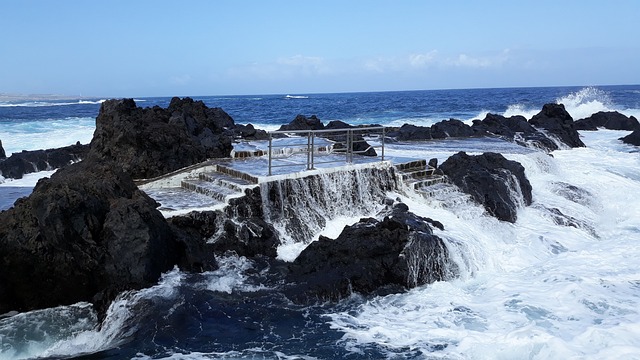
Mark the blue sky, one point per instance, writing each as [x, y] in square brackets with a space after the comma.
[166, 48]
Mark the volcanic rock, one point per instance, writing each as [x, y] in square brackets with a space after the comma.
[500, 185]
[249, 132]
[611, 120]
[515, 129]
[153, 141]
[240, 228]
[3, 155]
[409, 132]
[452, 128]
[25, 162]
[85, 234]
[371, 257]
[337, 125]
[558, 122]
[301, 122]
[633, 138]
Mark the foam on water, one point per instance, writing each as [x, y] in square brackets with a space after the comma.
[231, 276]
[536, 289]
[45, 134]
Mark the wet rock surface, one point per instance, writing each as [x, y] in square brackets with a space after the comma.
[632, 139]
[371, 257]
[611, 120]
[500, 185]
[26, 162]
[558, 122]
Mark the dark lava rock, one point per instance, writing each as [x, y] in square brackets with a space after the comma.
[240, 228]
[371, 257]
[153, 141]
[515, 129]
[452, 128]
[249, 132]
[3, 155]
[611, 120]
[301, 122]
[25, 162]
[409, 132]
[558, 122]
[492, 180]
[633, 138]
[85, 234]
[337, 125]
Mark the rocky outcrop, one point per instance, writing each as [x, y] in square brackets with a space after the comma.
[500, 185]
[301, 122]
[153, 141]
[632, 139]
[515, 129]
[559, 123]
[25, 162]
[452, 128]
[84, 235]
[3, 155]
[611, 120]
[409, 132]
[371, 257]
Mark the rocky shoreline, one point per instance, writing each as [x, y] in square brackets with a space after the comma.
[88, 233]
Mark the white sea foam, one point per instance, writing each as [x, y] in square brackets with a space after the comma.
[28, 180]
[231, 276]
[45, 134]
[49, 103]
[537, 290]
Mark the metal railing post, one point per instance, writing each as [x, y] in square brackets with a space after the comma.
[383, 136]
[309, 150]
[270, 140]
[349, 146]
[313, 146]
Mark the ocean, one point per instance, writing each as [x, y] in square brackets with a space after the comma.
[534, 289]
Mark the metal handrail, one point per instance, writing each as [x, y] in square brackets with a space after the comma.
[311, 147]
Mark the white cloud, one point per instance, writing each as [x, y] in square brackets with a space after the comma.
[284, 67]
[421, 60]
[469, 61]
[434, 59]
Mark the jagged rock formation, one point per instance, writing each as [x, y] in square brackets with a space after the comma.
[301, 122]
[611, 120]
[153, 141]
[500, 185]
[515, 129]
[3, 155]
[553, 118]
[453, 128]
[373, 256]
[25, 162]
[558, 122]
[84, 235]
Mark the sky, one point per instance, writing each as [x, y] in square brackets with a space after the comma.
[242, 47]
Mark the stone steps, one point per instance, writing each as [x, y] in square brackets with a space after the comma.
[418, 174]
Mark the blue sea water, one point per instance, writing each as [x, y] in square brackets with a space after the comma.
[530, 290]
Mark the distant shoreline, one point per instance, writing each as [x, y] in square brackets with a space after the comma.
[38, 97]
